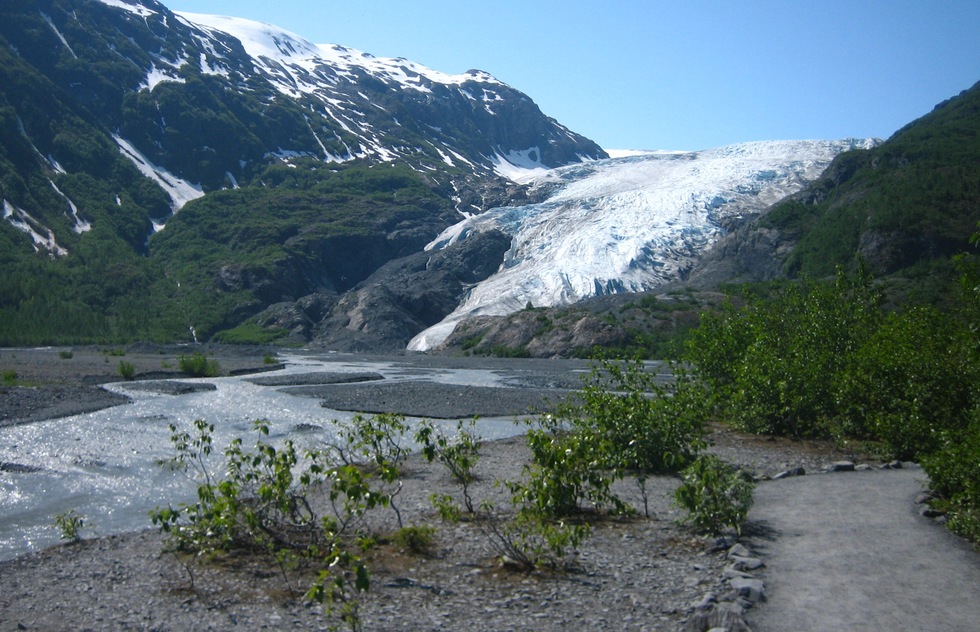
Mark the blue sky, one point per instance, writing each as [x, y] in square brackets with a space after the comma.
[665, 74]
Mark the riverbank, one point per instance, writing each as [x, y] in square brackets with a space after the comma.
[640, 573]
[632, 574]
[53, 382]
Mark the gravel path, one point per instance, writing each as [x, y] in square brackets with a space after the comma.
[849, 551]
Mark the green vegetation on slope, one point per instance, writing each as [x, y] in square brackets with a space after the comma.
[220, 260]
[913, 198]
[825, 360]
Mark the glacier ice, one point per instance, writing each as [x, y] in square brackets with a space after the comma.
[625, 224]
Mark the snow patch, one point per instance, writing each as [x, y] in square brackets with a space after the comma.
[47, 18]
[81, 225]
[180, 191]
[520, 166]
[157, 76]
[22, 221]
[134, 8]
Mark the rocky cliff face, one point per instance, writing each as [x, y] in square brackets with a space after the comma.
[407, 295]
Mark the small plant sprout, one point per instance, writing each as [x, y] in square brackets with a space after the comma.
[70, 523]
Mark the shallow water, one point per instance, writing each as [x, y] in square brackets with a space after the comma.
[106, 465]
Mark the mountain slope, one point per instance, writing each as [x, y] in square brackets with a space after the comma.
[119, 117]
[903, 206]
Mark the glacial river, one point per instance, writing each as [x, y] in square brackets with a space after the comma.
[107, 467]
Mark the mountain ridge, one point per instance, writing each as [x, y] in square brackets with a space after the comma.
[244, 181]
[118, 117]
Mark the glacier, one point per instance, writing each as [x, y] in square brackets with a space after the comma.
[625, 224]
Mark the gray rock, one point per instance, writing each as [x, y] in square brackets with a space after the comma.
[796, 471]
[739, 550]
[406, 295]
[740, 563]
[841, 466]
[706, 602]
[732, 573]
[726, 616]
[924, 497]
[929, 512]
[749, 587]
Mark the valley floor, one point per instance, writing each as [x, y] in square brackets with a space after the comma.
[631, 574]
[54, 382]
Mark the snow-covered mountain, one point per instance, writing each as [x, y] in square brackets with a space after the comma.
[626, 224]
[308, 179]
[298, 68]
[200, 102]
[119, 118]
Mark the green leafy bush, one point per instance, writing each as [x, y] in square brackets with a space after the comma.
[910, 381]
[771, 364]
[261, 503]
[198, 365]
[415, 538]
[530, 540]
[126, 370]
[954, 474]
[70, 523]
[9, 377]
[568, 473]
[715, 494]
[459, 454]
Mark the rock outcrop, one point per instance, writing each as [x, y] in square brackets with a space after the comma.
[407, 295]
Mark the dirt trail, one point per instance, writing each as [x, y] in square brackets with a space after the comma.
[849, 551]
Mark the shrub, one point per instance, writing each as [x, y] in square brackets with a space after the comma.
[771, 364]
[908, 383]
[954, 475]
[70, 523]
[415, 538]
[530, 540]
[126, 370]
[627, 422]
[198, 365]
[66, 354]
[9, 377]
[261, 504]
[715, 494]
[374, 444]
[458, 454]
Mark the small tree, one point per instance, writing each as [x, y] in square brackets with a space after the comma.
[715, 494]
